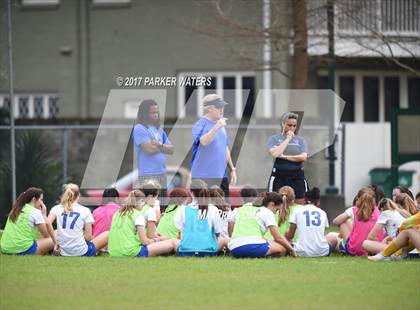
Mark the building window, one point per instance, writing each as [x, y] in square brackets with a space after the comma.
[33, 105]
[392, 95]
[23, 107]
[346, 91]
[232, 86]
[248, 82]
[371, 99]
[53, 108]
[371, 96]
[38, 107]
[113, 3]
[413, 86]
[40, 3]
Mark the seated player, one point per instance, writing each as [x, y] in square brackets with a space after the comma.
[74, 226]
[166, 226]
[26, 231]
[199, 224]
[128, 235]
[249, 223]
[310, 222]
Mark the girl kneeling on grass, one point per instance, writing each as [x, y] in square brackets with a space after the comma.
[74, 225]
[128, 231]
[25, 224]
[310, 222]
[364, 216]
[390, 219]
[247, 226]
[200, 224]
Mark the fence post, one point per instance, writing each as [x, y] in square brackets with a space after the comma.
[65, 154]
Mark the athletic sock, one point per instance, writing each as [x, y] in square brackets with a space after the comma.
[391, 248]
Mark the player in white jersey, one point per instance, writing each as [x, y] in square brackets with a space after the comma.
[74, 226]
[390, 219]
[310, 222]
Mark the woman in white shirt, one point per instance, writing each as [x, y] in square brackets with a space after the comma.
[74, 226]
[390, 219]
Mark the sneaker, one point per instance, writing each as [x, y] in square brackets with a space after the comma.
[379, 257]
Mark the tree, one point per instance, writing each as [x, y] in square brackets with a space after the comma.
[35, 166]
[301, 25]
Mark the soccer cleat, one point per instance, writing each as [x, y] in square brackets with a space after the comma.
[379, 257]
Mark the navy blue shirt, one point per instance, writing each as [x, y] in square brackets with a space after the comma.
[297, 145]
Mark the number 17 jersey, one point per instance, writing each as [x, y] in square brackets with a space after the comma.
[70, 228]
[311, 222]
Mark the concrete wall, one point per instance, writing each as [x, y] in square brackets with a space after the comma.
[77, 49]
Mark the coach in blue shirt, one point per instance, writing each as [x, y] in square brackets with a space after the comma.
[210, 150]
[151, 144]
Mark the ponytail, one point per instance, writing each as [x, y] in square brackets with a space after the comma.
[288, 198]
[22, 200]
[216, 196]
[134, 198]
[70, 194]
[202, 196]
[200, 193]
[366, 205]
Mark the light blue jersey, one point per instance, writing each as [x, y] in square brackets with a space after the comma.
[197, 235]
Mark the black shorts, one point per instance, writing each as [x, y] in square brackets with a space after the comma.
[294, 178]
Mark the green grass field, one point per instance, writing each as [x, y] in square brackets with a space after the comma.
[208, 283]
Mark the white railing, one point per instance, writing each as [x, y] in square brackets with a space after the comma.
[33, 105]
[354, 17]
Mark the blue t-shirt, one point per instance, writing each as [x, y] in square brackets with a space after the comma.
[149, 164]
[209, 162]
[297, 145]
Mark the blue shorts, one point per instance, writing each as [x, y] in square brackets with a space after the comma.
[144, 251]
[330, 249]
[31, 250]
[251, 250]
[342, 247]
[196, 254]
[91, 251]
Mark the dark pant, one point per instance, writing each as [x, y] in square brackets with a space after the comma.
[294, 178]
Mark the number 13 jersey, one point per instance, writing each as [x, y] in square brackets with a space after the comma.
[310, 225]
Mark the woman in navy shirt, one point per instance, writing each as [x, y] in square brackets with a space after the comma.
[289, 152]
